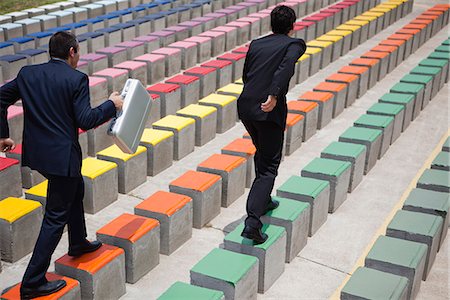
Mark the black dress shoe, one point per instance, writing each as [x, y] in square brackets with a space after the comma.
[43, 290]
[254, 234]
[272, 205]
[86, 247]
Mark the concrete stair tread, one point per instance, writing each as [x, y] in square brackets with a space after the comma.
[304, 185]
[359, 133]
[403, 87]
[398, 251]
[225, 265]
[327, 166]
[435, 177]
[288, 209]
[397, 98]
[417, 223]
[344, 149]
[274, 233]
[181, 290]
[375, 120]
[442, 159]
[415, 78]
[372, 284]
[428, 199]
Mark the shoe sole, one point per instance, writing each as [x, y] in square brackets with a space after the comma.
[71, 254]
[251, 237]
[42, 294]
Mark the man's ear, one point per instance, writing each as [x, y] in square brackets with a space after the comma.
[72, 52]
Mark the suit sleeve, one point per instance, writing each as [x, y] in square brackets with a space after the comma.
[9, 94]
[246, 65]
[87, 117]
[287, 67]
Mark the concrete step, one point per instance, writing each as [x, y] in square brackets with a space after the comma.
[244, 148]
[10, 178]
[174, 213]
[430, 202]
[101, 184]
[418, 227]
[70, 292]
[139, 237]
[399, 257]
[294, 216]
[232, 169]
[353, 153]
[373, 284]
[441, 162]
[205, 189]
[313, 191]
[180, 290]
[101, 273]
[271, 254]
[436, 180]
[131, 168]
[384, 123]
[371, 138]
[20, 222]
[336, 172]
[235, 274]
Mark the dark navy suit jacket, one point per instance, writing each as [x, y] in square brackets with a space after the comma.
[269, 65]
[56, 102]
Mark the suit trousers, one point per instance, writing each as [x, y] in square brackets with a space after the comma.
[268, 138]
[64, 206]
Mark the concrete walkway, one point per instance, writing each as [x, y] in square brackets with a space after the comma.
[333, 251]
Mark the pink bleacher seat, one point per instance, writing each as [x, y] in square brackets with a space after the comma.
[150, 42]
[116, 78]
[218, 41]
[181, 32]
[255, 26]
[231, 34]
[15, 121]
[156, 66]
[133, 48]
[115, 55]
[136, 70]
[98, 88]
[172, 58]
[96, 62]
[188, 53]
[165, 37]
[194, 27]
[83, 66]
[203, 47]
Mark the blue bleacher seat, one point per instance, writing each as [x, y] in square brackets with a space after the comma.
[31, 52]
[89, 35]
[12, 57]
[40, 35]
[179, 8]
[56, 29]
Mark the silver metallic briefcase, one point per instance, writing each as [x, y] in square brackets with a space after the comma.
[127, 127]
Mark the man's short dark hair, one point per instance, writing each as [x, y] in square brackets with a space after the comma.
[282, 19]
[60, 44]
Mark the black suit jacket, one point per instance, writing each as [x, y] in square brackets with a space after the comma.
[56, 102]
[268, 68]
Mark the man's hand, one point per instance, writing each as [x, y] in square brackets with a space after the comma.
[117, 100]
[7, 145]
[269, 105]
